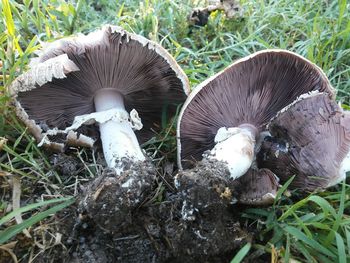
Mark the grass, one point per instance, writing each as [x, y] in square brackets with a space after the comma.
[312, 228]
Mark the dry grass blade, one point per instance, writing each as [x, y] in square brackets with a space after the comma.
[2, 142]
[8, 248]
[16, 201]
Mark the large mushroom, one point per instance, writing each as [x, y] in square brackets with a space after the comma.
[225, 115]
[100, 78]
[311, 140]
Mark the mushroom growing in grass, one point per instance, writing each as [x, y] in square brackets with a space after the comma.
[311, 140]
[109, 77]
[224, 117]
[256, 187]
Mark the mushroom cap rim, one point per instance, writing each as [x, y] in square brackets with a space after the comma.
[203, 84]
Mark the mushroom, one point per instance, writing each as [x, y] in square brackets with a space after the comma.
[100, 78]
[225, 115]
[311, 140]
[256, 187]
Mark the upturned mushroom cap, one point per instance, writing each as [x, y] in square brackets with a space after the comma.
[250, 91]
[311, 140]
[256, 187]
[142, 71]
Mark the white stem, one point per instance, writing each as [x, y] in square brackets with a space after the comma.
[118, 138]
[235, 146]
[344, 168]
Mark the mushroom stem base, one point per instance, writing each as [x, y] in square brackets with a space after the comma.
[234, 146]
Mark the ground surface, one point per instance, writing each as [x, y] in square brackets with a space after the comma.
[308, 227]
[115, 221]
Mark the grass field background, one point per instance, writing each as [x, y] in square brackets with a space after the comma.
[304, 227]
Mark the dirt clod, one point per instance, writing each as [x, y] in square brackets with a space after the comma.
[110, 199]
[116, 221]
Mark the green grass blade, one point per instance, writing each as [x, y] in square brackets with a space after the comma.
[311, 242]
[339, 215]
[3, 38]
[347, 235]
[10, 25]
[299, 246]
[14, 230]
[324, 205]
[342, 9]
[27, 208]
[341, 248]
[287, 252]
[292, 209]
[241, 253]
[302, 225]
[283, 189]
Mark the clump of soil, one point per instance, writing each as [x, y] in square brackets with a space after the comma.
[205, 189]
[110, 199]
[115, 223]
[209, 184]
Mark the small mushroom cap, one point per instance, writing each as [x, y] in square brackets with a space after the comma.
[142, 71]
[256, 187]
[250, 91]
[310, 139]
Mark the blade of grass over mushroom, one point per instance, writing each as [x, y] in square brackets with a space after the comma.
[283, 189]
[32, 143]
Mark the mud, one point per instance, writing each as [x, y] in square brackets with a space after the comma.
[117, 220]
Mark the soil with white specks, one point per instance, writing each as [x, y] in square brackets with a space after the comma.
[118, 219]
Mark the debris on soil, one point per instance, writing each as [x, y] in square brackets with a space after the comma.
[209, 184]
[110, 199]
[115, 222]
[65, 165]
[206, 187]
[117, 218]
[200, 16]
